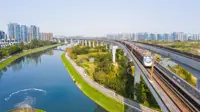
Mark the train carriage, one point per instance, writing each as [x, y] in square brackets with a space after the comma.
[144, 56]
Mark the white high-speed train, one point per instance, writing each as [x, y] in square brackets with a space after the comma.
[144, 56]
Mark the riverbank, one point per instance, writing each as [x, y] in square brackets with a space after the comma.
[105, 97]
[101, 99]
[25, 52]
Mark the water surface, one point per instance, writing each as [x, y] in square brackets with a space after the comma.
[40, 80]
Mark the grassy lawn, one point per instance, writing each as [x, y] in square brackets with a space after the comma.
[184, 74]
[88, 66]
[106, 102]
[25, 52]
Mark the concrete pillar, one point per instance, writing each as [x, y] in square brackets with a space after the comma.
[71, 41]
[101, 43]
[136, 77]
[89, 43]
[78, 41]
[114, 52]
[97, 43]
[106, 46]
[82, 42]
[85, 42]
[110, 47]
[124, 53]
[93, 44]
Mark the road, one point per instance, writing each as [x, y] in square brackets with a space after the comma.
[135, 107]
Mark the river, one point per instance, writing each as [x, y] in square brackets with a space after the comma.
[41, 81]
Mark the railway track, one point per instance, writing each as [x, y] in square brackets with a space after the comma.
[183, 53]
[179, 100]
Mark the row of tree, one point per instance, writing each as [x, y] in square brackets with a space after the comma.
[78, 50]
[143, 95]
[17, 48]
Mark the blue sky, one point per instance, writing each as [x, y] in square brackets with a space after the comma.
[99, 17]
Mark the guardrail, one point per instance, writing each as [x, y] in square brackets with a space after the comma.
[185, 86]
[186, 54]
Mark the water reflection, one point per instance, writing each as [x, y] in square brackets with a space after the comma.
[34, 58]
[1, 73]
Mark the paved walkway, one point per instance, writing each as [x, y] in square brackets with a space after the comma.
[4, 59]
[135, 107]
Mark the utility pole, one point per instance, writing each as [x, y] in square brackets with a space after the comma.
[152, 67]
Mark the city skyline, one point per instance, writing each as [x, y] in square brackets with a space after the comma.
[24, 33]
[19, 33]
[98, 18]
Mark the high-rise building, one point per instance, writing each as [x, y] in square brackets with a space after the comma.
[174, 36]
[24, 33]
[140, 36]
[14, 32]
[199, 36]
[46, 36]
[2, 35]
[180, 36]
[41, 35]
[33, 32]
[29, 34]
[134, 37]
[195, 37]
[50, 36]
[38, 33]
[166, 36]
[18, 33]
[160, 37]
[11, 31]
[146, 36]
[152, 36]
[185, 37]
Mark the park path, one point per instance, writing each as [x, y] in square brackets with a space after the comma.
[133, 106]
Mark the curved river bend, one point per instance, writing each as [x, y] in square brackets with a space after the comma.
[40, 80]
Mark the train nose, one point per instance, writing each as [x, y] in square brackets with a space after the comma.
[148, 59]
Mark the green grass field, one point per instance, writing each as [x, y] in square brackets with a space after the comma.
[106, 102]
[26, 52]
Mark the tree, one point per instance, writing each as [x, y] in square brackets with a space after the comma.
[21, 45]
[104, 62]
[141, 91]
